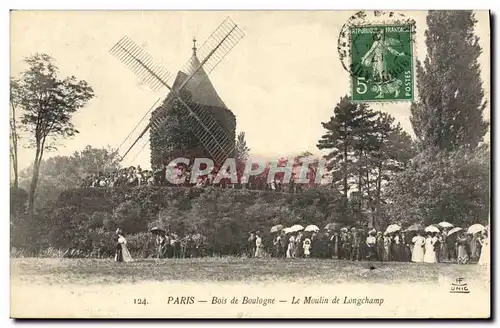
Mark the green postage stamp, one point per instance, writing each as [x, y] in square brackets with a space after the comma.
[382, 63]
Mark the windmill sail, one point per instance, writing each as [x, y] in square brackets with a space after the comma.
[210, 134]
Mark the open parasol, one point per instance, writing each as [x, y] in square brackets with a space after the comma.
[432, 228]
[312, 227]
[454, 230]
[392, 228]
[296, 227]
[287, 230]
[277, 228]
[333, 226]
[415, 227]
[445, 224]
[157, 230]
[475, 228]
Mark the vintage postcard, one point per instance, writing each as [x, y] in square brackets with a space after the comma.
[250, 164]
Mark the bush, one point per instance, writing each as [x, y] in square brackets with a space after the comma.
[83, 221]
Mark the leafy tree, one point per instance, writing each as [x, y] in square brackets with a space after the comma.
[341, 139]
[48, 103]
[60, 173]
[391, 152]
[453, 187]
[448, 114]
[242, 151]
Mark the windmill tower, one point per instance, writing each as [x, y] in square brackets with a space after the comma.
[173, 138]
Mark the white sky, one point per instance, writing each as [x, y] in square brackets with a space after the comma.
[281, 81]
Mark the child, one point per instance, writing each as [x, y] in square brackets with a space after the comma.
[307, 247]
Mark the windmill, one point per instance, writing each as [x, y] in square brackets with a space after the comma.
[202, 124]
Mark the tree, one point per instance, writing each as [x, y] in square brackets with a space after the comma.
[60, 173]
[447, 186]
[449, 111]
[391, 152]
[14, 137]
[340, 140]
[242, 151]
[48, 104]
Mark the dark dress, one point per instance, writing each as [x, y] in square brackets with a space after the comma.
[119, 253]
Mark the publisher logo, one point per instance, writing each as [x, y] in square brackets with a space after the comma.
[459, 287]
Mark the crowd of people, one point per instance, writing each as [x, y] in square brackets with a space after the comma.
[359, 245]
[352, 244]
[136, 176]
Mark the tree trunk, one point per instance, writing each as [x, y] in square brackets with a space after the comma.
[34, 182]
[376, 219]
[36, 171]
[14, 148]
[346, 187]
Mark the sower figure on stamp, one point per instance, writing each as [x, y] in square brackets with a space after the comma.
[375, 57]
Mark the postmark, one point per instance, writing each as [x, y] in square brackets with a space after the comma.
[377, 49]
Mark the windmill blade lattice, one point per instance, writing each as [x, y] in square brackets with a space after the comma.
[141, 63]
[214, 49]
[202, 124]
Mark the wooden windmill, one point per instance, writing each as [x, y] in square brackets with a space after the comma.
[202, 124]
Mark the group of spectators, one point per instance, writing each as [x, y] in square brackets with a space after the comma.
[136, 176]
[359, 244]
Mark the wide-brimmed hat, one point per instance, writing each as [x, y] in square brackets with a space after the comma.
[119, 231]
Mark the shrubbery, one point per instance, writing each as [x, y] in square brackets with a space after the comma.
[86, 219]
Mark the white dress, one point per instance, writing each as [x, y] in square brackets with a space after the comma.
[418, 249]
[125, 253]
[485, 252]
[307, 247]
[430, 253]
[259, 250]
[291, 245]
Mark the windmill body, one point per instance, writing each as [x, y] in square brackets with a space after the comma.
[172, 138]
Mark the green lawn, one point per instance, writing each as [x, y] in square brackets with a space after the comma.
[96, 271]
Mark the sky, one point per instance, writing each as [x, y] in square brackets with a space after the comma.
[281, 80]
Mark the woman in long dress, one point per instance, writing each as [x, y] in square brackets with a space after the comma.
[371, 244]
[484, 258]
[418, 248]
[430, 252]
[461, 246]
[122, 253]
[259, 247]
[291, 247]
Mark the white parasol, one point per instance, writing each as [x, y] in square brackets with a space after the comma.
[296, 227]
[475, 228]
[432, 228]
[445, 224]
[454, 230]
[277, 228]
[312, 227]
[392, 228]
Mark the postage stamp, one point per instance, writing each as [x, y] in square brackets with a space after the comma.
[382, 63]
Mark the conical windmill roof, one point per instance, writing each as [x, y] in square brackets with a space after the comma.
[200, 87]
